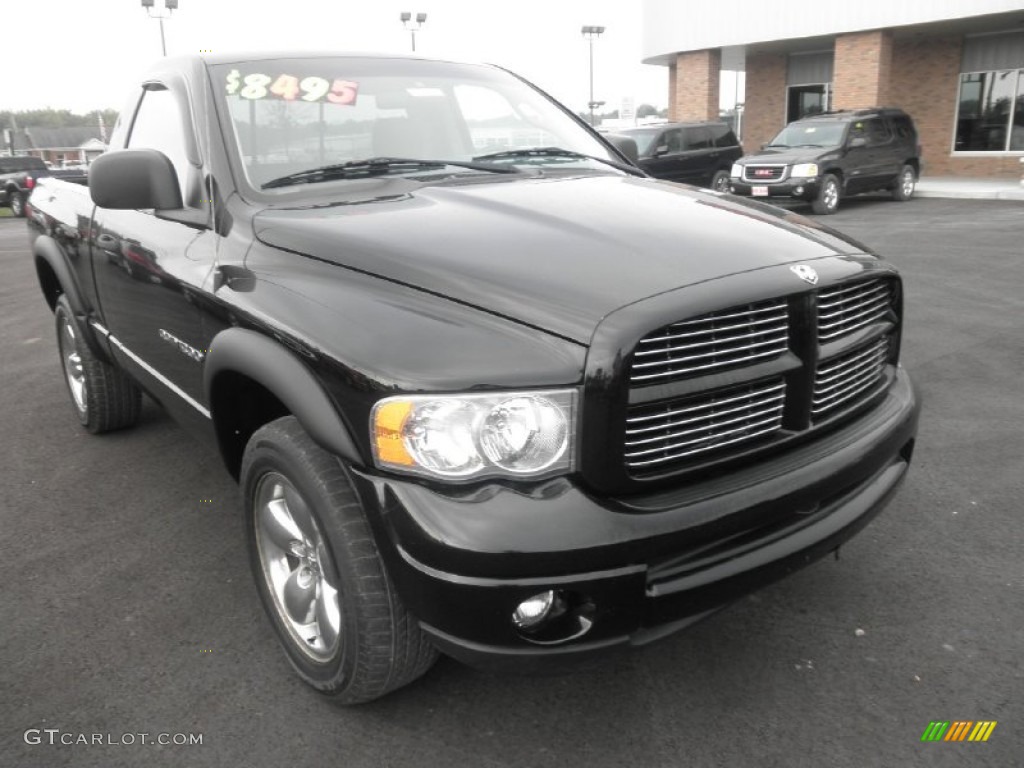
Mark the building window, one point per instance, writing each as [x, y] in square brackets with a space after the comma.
[803, 100]
[990, 114]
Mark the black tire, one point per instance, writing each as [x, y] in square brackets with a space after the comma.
[16, 201]
[827, 201]
[103, 397]
[720, 181]
[905, 184]
[355, 640]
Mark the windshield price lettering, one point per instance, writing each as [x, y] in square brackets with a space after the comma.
[289, 88]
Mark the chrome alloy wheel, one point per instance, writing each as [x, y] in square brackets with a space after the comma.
[73, 368]
[907, 182]
[830, 195]
[297, 567]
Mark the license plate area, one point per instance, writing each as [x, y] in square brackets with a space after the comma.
[759, 191]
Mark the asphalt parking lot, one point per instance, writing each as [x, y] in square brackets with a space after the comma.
[127, 606]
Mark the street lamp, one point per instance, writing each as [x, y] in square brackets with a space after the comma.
[171, 6]
[406, 19]
[591, 33]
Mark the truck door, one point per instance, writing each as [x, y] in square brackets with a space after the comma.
[150, 270]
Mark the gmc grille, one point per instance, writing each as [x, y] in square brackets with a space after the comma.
[763, 173]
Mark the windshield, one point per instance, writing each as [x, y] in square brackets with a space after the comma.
[290, 116]
[810, 134]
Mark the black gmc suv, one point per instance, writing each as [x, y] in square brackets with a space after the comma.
[486, 387]
[823, 158]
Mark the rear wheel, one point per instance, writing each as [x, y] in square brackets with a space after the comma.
[827, 201]
[905, 185]
[104, 398]
[17, 203]
[321, 579]
[720, 181]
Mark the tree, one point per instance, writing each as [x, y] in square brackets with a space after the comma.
[646, 110]
[57, 118]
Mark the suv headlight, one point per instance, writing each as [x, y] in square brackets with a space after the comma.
[808, 170]
[737, 171]
[463, 437]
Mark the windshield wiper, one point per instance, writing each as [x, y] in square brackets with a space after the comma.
[375, 166]
[777, 145]
[541, 152]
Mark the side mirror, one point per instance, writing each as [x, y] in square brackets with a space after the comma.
[134, 179]
[661, 149]
[858, 141]
[625, 144]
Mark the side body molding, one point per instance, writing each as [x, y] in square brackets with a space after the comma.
[46, 250]
[253, 355]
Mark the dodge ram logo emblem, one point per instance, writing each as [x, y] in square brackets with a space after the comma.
[805, 273]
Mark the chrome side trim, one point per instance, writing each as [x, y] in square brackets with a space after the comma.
[151, 370]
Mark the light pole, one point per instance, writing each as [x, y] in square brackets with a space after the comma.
[171, 6]
[406, 18]
[591, 33]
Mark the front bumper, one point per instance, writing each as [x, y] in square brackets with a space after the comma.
[462, 560]
[795, 189]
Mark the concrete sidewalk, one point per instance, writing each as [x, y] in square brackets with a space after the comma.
[962, 187]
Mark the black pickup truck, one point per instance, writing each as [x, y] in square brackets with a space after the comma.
[19, 175]
[487, 388]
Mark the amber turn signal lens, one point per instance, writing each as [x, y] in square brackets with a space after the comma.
[387, 432]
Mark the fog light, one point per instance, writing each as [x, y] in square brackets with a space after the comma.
[798, 191]
[534, 610]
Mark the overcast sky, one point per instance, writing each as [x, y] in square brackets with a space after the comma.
[84, 54]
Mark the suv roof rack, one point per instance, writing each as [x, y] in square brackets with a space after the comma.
[862, 112]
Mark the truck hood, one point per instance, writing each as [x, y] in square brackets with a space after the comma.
[558, 252]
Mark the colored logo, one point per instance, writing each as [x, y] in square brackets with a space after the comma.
[958, 730]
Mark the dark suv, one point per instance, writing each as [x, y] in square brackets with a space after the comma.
[825, 157]
[693, 153]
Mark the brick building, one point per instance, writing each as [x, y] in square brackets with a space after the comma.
[957, 66]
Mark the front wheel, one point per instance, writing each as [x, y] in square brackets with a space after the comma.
[905, 185]
[104, 398]
[720, 181]
[827, 201]
[319, 574]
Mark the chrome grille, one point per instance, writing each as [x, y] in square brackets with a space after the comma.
[657, 435]
[839, 380]
[763, 173]
[848, 308]
[733, 337]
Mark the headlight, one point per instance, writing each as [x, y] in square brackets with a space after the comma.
[805, 169]
[461, 437]
[737, 171]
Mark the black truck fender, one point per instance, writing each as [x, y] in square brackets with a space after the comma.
[56, 278]
[283, 375]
